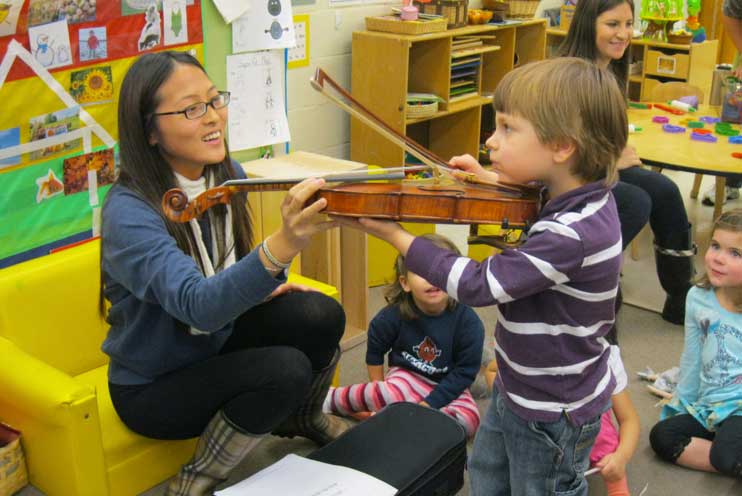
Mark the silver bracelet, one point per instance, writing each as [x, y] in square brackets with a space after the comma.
[271, 258]
[273, 271]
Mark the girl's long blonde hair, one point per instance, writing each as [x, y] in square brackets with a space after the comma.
[395, 293]
[727, 221]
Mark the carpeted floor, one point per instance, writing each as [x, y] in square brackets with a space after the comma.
[645, 340]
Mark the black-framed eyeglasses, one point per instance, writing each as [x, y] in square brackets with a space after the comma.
[197, 110]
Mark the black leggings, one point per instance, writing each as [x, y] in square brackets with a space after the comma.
[641, 195]
[670, 437]
[260, 376]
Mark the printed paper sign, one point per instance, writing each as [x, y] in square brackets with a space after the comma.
[257, 115]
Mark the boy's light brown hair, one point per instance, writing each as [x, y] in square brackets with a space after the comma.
[395, 293]
[568, 99]
[730, 220]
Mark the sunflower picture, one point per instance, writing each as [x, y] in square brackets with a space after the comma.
[94, 85]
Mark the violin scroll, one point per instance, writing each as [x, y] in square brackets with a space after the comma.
[177, 207]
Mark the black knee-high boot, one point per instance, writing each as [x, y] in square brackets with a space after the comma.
[675, 270]
[309, 420]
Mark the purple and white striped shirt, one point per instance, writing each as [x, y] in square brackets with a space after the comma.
[555, 298]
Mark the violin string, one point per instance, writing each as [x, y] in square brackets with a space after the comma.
[371, 174]
[334, 177]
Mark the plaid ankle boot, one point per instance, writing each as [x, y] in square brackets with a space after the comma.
[220, 448]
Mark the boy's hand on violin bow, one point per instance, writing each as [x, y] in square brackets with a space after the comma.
[469, 164]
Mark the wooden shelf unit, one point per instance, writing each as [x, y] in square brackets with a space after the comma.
[661, 62]
[387, 66]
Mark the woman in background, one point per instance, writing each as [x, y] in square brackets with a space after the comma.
[601, 31]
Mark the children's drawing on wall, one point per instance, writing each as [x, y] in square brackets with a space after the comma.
[54, 124]
[267, 25]
[73, 11]
[254, 122]
[94, 85]
[133, 7]
[9, 10]
[76, 170]
[50, 44]
[272, 128]
[10, 138]
[48, 186]
[175, 21]
[93, 43]
[151, 32]
[276, 31]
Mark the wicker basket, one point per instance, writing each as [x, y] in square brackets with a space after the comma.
[679, 39]
[13, 474]
[452, 10]
[393, 24]
[420, 110]
[523, 9]
[499, 9]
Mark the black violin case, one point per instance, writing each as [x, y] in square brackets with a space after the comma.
[417, 450]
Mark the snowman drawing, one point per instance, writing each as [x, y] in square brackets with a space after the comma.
[44, 51]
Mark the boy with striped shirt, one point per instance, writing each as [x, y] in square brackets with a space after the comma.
[560, 123]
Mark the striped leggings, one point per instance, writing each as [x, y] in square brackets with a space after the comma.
[399, 385]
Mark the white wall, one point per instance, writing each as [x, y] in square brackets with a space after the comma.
[318, 125]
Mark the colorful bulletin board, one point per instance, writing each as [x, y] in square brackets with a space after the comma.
[61, 66]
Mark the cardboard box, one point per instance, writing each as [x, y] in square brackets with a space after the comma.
[13, 474]
[565, 16]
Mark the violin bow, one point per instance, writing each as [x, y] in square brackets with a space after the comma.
[360, 112]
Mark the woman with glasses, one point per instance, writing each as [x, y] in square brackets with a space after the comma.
[207, 338]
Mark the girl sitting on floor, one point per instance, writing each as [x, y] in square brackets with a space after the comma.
[434, 345]
[701, 427]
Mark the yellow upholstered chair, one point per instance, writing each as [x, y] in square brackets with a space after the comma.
[53, 384]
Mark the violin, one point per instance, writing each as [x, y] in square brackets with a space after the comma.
[452, 196]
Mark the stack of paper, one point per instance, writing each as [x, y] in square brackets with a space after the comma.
[297, 476]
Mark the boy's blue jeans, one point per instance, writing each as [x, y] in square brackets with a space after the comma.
[522, 458]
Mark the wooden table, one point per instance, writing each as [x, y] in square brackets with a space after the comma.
[337, 257]
[657, 148]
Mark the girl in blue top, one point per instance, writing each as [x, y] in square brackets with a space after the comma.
[701, 427]
[434, 348]
[206, 337]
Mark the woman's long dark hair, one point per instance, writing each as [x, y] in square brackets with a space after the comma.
[143, 168]
[580, 40]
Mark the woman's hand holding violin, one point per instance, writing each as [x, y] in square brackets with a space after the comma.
[300, 221]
